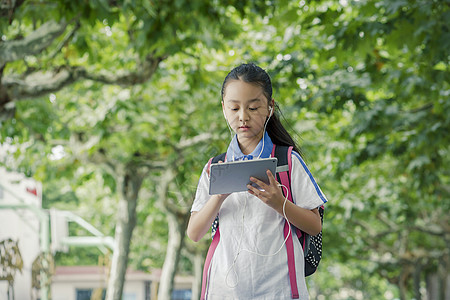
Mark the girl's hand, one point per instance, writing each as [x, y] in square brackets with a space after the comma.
[270, 194]
[200, 221]
[222, 197]
[304, 219]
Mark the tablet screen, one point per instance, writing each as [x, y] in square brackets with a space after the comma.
[230, 177]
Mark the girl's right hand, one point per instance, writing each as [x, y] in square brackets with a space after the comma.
[222, 197]
[200, 221]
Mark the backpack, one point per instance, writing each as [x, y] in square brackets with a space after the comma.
[312, 245]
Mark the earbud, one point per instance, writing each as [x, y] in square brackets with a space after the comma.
[270, 111]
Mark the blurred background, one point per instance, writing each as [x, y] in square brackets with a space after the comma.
[109, 110]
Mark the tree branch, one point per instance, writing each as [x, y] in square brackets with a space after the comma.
[385, 219]
[34, 43]
[166, 177]
[66, 39]
[155, 165]
[185, 143]
[432, 229]
[7, 8]
[39, 83]
[125, 78]
[422, 108]
[180, 207]
[80, 150]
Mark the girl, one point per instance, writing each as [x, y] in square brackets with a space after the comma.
[248, 263]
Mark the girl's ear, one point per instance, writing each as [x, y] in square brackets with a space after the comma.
[223, 111]
[271, 107]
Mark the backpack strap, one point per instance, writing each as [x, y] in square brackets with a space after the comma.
[216, 159]
[312, 245]
[284, 166]
[209, 256]
[215, 234]
[220, 157]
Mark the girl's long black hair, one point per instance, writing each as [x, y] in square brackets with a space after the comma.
[254, 74]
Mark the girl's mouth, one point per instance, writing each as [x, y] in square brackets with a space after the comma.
[244, 128]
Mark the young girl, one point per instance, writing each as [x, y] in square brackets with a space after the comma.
[248, 263]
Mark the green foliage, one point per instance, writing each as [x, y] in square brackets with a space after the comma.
[372, 112]
[391, 177]
[364, 83]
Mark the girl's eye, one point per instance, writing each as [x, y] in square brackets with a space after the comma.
[253, 108]
[234, 109]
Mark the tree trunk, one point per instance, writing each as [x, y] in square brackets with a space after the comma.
[177, 231]
[403, 282]
[198, 272]
[438, 286]
[129, 189]
[417, 280]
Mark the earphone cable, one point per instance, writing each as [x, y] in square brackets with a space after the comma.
[232, 267]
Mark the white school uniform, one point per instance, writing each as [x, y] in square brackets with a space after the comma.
[250, 230]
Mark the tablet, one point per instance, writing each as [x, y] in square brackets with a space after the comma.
[230, 177]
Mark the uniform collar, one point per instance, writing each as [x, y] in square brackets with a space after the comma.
[234, 151]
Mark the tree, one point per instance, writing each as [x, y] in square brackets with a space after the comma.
[364, 82]
[377, 74]
[367, 83]
[49, 46]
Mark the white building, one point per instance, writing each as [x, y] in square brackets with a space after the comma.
[20, 203]
[81, 282]
[22, 219]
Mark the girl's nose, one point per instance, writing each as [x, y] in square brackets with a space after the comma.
[243, 116]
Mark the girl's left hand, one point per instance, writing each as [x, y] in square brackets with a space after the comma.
[270, 194]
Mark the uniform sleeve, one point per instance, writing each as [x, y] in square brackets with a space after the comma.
[305, 190]
[202, 193]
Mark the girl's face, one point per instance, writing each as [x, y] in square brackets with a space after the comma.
[246, 109]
